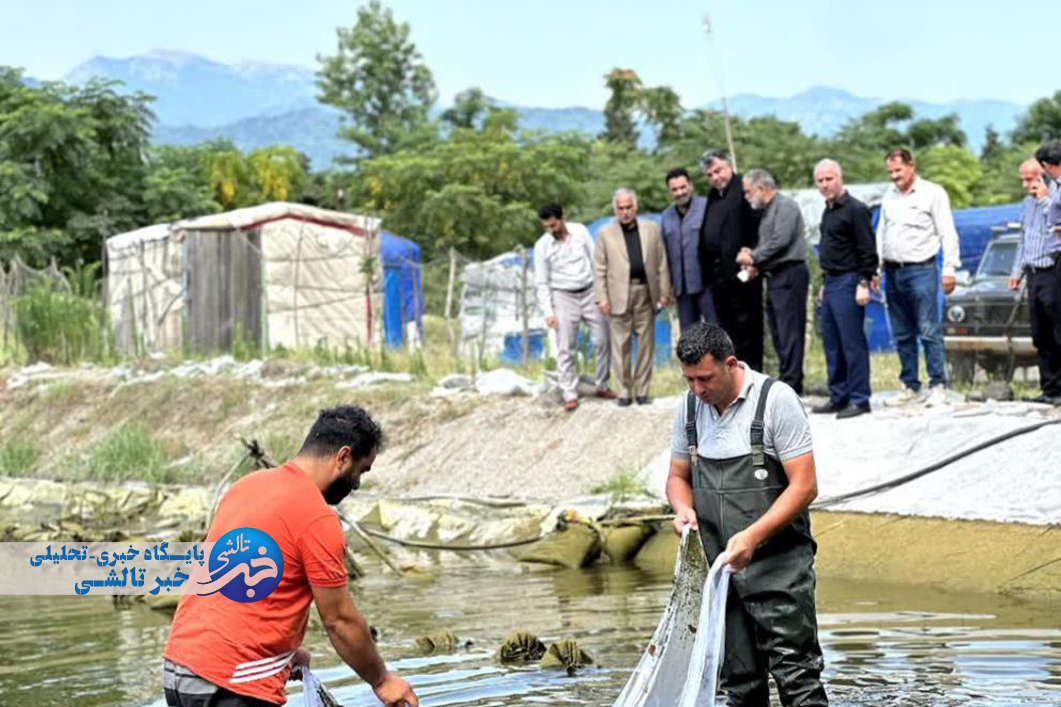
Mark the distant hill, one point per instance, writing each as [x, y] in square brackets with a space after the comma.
[263, 104]
[823, 111]
[194, 90]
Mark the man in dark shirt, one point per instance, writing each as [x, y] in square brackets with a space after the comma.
[729, 225]
[848, 252]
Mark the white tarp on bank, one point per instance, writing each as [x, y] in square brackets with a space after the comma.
[1016, 481]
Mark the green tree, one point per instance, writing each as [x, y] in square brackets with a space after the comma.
[663, 110]
[72, 161]
[955, 169]
[478, 191]
[279, 172]
[469, 108]
[1000, 182]
[927, 132]
[620, 121]
[770, 143]
[1041, 123]
[380, 81]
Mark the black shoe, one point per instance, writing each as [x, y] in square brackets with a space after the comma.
[827, 408]
[623, 402]
[1044, 398]
[852, 411]
[643, 400]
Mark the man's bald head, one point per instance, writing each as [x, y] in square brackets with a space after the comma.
[1031, 178]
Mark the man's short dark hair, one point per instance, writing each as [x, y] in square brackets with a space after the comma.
[702, 339]
[677, 172]
[1049, 153]
[343, 426]
[900, 153]
[712, 156]
[551, 210]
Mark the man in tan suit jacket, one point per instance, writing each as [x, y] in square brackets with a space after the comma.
[632, 283]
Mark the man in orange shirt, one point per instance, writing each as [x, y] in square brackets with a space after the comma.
[235, 647]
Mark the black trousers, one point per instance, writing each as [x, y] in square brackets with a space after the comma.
[739, 306]
[1044, 303]
[786, 310]
[221, 698]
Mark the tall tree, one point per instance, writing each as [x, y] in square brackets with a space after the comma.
[380, 81]
[72, 161]
[1042, 121]
[469, 108]
[620, 122]
[663, 110]
[478, 191]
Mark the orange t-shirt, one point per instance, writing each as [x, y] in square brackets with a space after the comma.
[245, 647]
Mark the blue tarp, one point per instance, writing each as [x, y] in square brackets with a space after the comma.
[403, 291]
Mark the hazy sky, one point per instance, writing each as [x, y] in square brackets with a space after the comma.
[555, 52]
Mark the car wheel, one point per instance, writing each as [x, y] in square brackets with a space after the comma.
[962, 367]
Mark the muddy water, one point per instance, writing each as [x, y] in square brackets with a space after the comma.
[884, 645]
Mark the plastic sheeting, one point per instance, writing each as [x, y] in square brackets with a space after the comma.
[680, 667]
[145, 270]
[314, 286]
[403, 289]
[1015, 481]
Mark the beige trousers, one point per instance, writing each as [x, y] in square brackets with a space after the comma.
[638, 319]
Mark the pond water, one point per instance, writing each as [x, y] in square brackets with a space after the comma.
[884, 644]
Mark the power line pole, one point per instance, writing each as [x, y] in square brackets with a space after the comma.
[706, 22]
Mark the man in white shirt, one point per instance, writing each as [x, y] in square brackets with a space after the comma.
[915, 224]
[563, 279]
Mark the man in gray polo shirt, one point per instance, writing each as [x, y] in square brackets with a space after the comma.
[743, 475]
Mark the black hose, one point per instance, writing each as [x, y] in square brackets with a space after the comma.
[452, 548]
[935, 466]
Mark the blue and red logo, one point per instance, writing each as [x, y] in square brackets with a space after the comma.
[245, 565]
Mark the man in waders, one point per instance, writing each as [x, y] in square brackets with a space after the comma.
[742, 472]
[238, 653]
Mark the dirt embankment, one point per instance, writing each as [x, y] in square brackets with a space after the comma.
[72, 428]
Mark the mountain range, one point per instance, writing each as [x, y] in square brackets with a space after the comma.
[258, 104]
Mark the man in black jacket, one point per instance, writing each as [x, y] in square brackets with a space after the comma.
[729, 225]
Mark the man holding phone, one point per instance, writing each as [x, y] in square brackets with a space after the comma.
[1049, 157]
[1039, 260]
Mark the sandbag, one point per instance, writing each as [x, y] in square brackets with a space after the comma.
[659, 552]
[622, 543]
[575, 545]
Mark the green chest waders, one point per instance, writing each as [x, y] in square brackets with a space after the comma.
[770, 617]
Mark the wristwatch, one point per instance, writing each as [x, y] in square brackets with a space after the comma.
[863, 282]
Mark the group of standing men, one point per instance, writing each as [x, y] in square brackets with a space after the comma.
[711, 254]
[706, 258]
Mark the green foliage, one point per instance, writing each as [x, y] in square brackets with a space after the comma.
[625, 484]
[129, 452]
[620, 123]
[60, 326]
[1042, 122]
[1000, 183]
[955, 169]
[71, 166]
[478, 191]
[18, 458]
[378, 78]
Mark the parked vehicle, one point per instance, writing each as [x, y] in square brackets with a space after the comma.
[985, 323]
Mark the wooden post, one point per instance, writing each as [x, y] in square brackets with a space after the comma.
[449, 301]
[523, 306]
